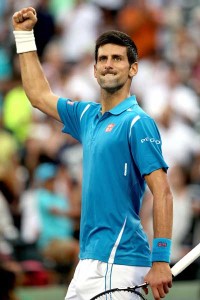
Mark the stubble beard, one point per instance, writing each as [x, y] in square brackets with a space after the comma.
[111, 87]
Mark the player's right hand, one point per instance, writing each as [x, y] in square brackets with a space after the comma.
[24, 19]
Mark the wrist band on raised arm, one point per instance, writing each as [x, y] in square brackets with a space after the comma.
[161, 250]
[25, 41]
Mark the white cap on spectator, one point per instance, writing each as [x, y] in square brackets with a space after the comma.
[109, 4]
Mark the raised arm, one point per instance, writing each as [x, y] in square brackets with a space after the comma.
[34, 81]
[160, 277]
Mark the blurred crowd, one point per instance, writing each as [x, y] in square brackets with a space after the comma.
[44, 236]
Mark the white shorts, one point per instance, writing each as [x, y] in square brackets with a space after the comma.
[92, 277]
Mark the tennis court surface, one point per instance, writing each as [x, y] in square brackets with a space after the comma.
[189, 290]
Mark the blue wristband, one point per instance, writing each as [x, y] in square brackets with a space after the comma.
[161, 249]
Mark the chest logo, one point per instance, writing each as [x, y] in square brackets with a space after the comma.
[109, 127]
[70, 102]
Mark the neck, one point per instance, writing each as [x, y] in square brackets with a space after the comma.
[110, 100]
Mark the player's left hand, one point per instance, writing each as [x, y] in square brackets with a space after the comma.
[159, 279]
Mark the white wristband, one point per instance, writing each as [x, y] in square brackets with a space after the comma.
[25, 41]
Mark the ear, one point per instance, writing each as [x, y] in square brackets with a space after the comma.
[95, 71]
[133, 69]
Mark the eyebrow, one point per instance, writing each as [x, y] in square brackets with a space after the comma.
[113, 56]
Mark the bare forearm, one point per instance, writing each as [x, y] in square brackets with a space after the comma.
[162, 204]
[33, 78]
[162, 215]
[36, 85]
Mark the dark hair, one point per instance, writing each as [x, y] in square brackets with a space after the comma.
[118, 38]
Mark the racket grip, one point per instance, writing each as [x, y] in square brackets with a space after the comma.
[184, 262]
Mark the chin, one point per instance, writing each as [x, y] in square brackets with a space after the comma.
[110, 86]
[112, 89]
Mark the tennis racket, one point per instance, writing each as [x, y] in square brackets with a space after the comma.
[181, 265]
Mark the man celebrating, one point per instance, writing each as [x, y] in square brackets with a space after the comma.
[121, 153]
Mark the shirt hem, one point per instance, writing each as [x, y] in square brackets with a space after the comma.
[118, 261]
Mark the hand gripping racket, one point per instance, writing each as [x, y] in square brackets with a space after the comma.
[181, 265]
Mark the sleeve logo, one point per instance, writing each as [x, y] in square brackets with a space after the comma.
[151, 140]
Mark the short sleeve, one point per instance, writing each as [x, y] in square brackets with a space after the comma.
[70, 113]
[146, 146]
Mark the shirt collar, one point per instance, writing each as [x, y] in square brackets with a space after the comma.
[124, 105]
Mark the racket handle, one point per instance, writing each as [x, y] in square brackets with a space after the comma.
[184, 262]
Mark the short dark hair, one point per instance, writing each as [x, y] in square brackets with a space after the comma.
[118, 38]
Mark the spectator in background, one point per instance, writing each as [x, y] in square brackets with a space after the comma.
[174, 129]
[17, 112]
[42, 143]
[186, 211]
[75, 43]
[195, 170]
[57, 72]
[8, 232]
[30, 221]
[56, 7]
[140, 22]
[173, 92]
[175, 107]
[10, 270]
[178, 178]
[47, 22]
[82, 77]
[55, 242]
[192, 237]
[11, 183]
[8, 150]
[109, 10]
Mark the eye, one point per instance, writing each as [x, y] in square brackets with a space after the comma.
[102, 58]
[117, 58]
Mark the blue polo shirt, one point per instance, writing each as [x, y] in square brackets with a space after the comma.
[119, 148]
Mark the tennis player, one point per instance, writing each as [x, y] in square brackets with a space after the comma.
[121, 153]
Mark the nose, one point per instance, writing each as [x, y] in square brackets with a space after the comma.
[108, 64]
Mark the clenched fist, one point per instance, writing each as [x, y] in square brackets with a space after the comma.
[24, 19]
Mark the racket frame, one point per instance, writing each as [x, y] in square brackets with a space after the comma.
[128, 289]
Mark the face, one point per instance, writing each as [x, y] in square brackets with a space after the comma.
[112, 69]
